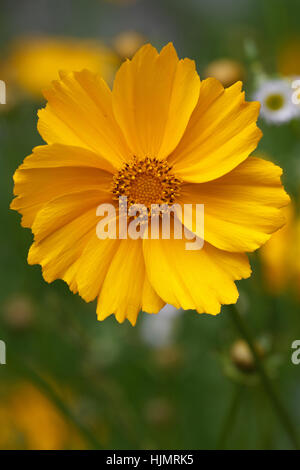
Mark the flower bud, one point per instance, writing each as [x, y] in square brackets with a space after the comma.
[242, 356]
[158, 411]
[18, 312]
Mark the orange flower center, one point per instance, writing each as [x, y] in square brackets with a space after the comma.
[148, 181]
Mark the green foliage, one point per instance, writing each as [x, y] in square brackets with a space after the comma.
[126, 394]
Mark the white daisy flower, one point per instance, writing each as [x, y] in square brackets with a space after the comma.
[158, 330]
[277, 106]
[295, 83]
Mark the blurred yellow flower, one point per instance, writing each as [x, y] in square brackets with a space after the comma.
[127, 43]
[30, 421]
[281, 255]
[289, 58]
[228, 71]
[34, 61]
[160, 135]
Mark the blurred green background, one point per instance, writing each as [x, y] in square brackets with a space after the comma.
[71, 382]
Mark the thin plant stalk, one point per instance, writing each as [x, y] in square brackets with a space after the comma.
[230, 417]
[267, 383]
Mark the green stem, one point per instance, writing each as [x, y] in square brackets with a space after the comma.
[230, 417]
[265, 379]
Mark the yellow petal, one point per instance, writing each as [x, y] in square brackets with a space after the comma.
[79, 113]
[125, 290]
[58, 155]
[202, 280]
[153, 98]
[152, 303]
[80, 258]
[94, 264]
[241, 209]
[221, 134]
[48, 174]
[61, 249]
[62, 210]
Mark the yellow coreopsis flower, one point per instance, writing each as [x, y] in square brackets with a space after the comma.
[160, 135]
[34, 61]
